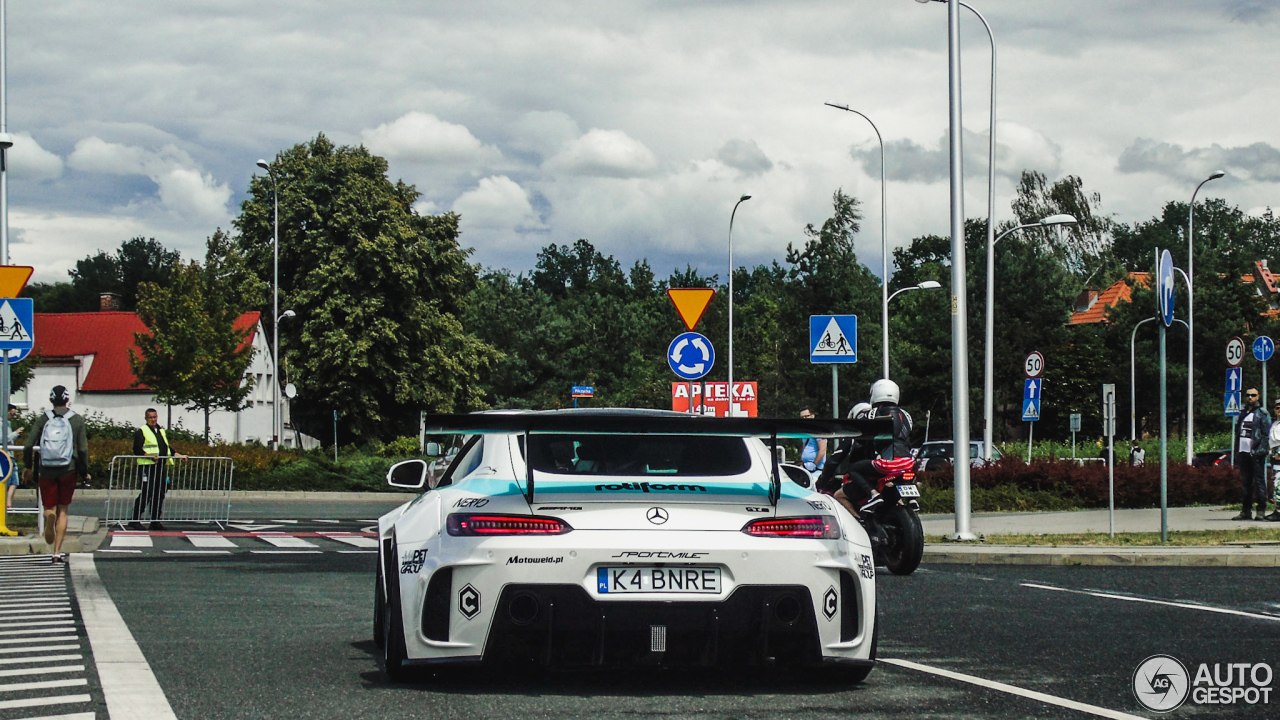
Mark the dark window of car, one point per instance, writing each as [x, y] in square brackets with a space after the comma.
[466, 461]
[941, 450]
[639, 455]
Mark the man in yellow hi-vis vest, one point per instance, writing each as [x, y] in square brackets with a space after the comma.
[151, 440]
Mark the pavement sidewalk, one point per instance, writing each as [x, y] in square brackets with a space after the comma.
[1262, 554]
[84, 534]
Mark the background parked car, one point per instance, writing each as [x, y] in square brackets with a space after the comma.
[1209, 458]
[937, 454]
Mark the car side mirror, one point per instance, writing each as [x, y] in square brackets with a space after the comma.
[797, 475]
[433, 449]
[411, 474]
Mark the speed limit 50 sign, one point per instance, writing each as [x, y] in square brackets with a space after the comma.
[1235, 351]
[1034, 364]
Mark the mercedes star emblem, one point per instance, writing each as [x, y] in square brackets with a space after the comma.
[657, 515]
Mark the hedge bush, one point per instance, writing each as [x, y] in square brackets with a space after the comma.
[1014, 485]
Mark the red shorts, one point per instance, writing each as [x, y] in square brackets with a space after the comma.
[57, 491]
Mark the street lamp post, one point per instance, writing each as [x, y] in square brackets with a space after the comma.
[741, 200]
[1191, 316]
[988, 379]
[277, 413]
[275, 308]
[884, 242]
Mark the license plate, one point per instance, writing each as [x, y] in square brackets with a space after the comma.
[908, 491]
[686, 580]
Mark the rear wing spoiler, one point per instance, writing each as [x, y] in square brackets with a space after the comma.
[653, 423]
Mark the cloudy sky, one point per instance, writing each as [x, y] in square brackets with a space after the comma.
[635, 125]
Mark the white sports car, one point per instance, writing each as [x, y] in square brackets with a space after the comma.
[629, 537]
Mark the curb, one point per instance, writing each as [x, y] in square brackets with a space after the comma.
[1109, 556]
[88, 537]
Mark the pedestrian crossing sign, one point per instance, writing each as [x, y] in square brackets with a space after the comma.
[1031, 409]
[1231, 404]
[833, 338]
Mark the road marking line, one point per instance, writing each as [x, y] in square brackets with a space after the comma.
[210, 541]
[331, 522]
[60, 638]
[129, 686]
[40, 659]
[287, 541]
[197, 552]
[72, 716]
[41, 648]
[42, 630]
[117, 551]
[42, 684]
[131, 541]
[44, 623]
[286, 552]
[35, 584]
[32, 611]
[27, 599]
[37, 702]
[355, 541]
[288, 522]
[30, 589]
[357, 552]
[1013, 690]
[1129, 598]
[41, 671]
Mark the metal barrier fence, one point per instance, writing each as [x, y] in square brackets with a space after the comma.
[191, 489]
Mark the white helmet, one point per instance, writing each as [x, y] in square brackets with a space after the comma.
[884, 390]
[861, 410]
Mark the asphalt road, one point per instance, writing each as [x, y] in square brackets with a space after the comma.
[288, 636]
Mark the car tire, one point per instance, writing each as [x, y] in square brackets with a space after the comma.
[393, 649]
[379, 607]
[906, 546]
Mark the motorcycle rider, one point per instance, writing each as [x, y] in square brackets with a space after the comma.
[890, 451]
[836, 467]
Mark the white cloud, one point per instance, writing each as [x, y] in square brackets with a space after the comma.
[52, 242]
[423, 137]
[495, 203]
[29, 161]
[184, 189]
[604, 153]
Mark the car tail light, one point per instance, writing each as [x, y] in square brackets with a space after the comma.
[473, 525]
[822, 527]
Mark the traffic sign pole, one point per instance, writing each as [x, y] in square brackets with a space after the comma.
[1109, 427]
[1165, 298]
[835, 391]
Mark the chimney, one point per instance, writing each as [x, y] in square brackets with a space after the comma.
[109, 302]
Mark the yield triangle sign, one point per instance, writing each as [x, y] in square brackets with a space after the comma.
[13, 278]
[833, 342]
[691, 303]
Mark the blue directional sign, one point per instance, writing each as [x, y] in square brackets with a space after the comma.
[691, 356]
[1231, 404]
[582, 391]
[1263, 348]
[833, 338]
[17, 328]
[1233, 380]
[1164, 287]
[1031, 392]
[6, 463]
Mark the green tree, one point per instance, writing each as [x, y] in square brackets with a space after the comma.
[138, 260]
[193, 354]
[379, 291]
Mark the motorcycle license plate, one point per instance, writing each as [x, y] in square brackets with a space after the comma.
[910, 491]
[680, 580]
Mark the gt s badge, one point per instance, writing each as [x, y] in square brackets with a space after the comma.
[411, 562]
[757, 509]
[830, 602]
[469, 601]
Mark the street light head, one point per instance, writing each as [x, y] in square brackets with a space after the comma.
[263, 164]
[1062, 219]
[838, 107]
[288, 314]
[744, 198]
[929, 285]
[1217, 174]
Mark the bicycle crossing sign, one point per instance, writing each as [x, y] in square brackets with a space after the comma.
[833, 338]
[17, 329]
[1032, 389]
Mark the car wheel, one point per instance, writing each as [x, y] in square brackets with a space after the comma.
[906, 540]
[393, 650]
[379, 608]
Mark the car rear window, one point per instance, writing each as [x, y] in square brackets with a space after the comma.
[932, 451]
[639, 455]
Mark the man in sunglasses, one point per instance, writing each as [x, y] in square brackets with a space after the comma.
[1251, 455]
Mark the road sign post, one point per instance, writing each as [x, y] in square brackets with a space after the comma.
[833, 339]
[1164, 299]
[1109, 429]
[1032, 391]
[1075, 428]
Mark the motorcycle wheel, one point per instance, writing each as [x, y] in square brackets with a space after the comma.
[905, 548]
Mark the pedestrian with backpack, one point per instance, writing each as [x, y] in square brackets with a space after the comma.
[59, 437]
